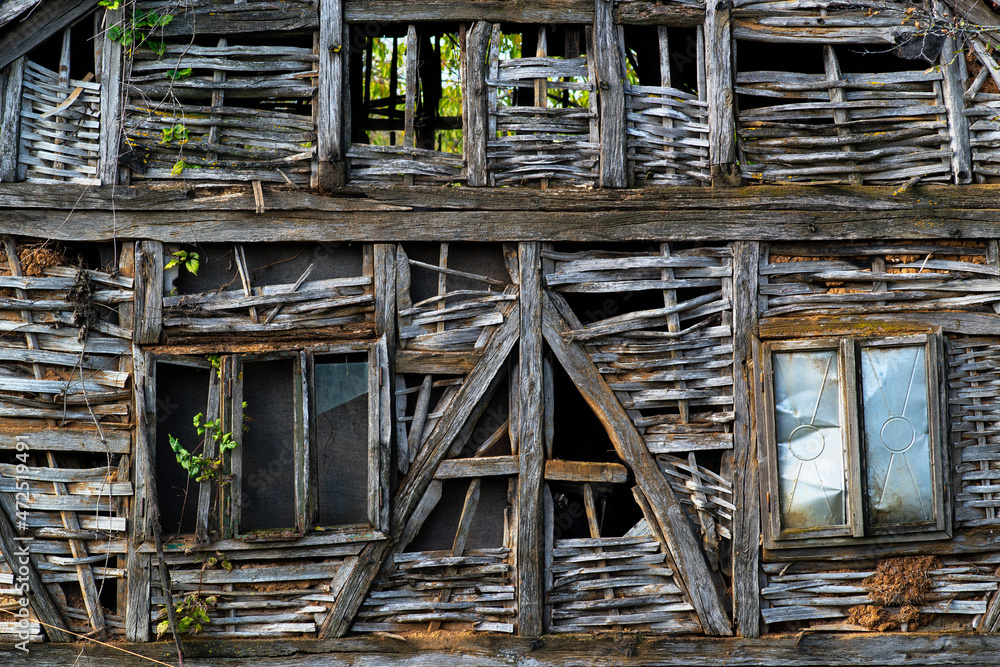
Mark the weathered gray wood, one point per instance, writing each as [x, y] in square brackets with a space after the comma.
[111, 100]
[746, 479]
[477, 113]
[68, 440]
[142, 511]
[531, 452]
[485, 466]
[148, 298]
[585, 472]
[721, 114]
[610, 81]
[330, 96]
[704, 589]
[10, 119]
[952, 84]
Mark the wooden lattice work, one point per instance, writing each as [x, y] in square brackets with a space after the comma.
[983, 95]
[475, 588]
[65, 407]
[974, 402]
[823, 594]
[841, 127]
[542, 143]
[339, 306]
[255, 594]
[799, 279]
[60, 124]
[634, 569]
[246, 106]
[671, 366]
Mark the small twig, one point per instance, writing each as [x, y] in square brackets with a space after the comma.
[298, 284]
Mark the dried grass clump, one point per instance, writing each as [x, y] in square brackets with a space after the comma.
[901, 581]
[875, 617]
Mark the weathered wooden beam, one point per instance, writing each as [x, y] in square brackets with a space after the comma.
[558, 470]
[144, 488]
[746, 478]
[477, 107]
[473, 650]
[148, 299]
[503, 214]
[637, 12]
[611, 87]
[703, 585]
[721, 114]
[111, 100]
[952, 67]
[484, 466]
[12, 79]
[330, 96]
[421, 475]
[530, 448]
[882, 324]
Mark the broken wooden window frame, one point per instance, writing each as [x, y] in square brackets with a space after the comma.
[857, 527]
[303, 447]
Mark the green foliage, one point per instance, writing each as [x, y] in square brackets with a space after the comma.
[191, 614]
[216, 361]
[179, 73]
[199, 466]
[189, 260]
[178, 133]
[135, 31]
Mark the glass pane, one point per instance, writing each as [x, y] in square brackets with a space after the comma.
[341, 440]
[268, 445]
[809, 439]
[897, 444]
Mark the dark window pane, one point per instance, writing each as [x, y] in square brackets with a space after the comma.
[268, 445]
[181, 393]
[341, 386]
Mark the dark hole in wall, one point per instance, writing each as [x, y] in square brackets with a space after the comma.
[268, 450]
[340, 386]
[478, 258]
[181, 393]
[108, 590]
[487, 529]
[642, 45]
[48, 53]
[269, 264]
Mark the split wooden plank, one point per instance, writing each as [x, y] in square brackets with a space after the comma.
[330, 172]
[148, 298]
[531, 453]
[111, 81]
[143, 510]
[746, 526]
[703, 585]
[952, 83]
[483, 466]
[612, 96]
[477, 93]
[721, 108]
[585, 472]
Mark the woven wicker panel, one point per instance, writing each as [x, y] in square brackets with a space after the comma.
[974, 402]
[667, 136]
[247, 109]
[64, 146]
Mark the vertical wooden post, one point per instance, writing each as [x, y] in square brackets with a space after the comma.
[385, 325]
[841, 117]
[331, 171]
[143, 499]
[530, 446]
[952, 66]
[719, 80]
[478, 110]
[746, 494]
[10, 120]
[111, 101]
[612, 94]
[412, 88]
[148, 296]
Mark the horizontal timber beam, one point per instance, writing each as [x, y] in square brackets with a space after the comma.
[179, 214]
[468, 650]
[637, 12]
